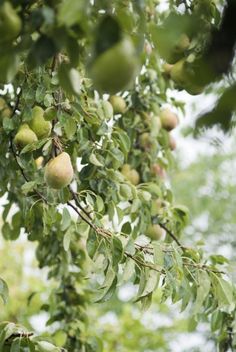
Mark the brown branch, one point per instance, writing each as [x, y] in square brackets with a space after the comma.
[170, 233]
[74, 196]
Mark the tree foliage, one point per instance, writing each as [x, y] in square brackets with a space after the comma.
[61, 61]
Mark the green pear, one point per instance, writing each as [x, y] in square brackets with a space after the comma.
[169, 120]
[115, 69]
[118, 103]
[130, 174]
[155, 232]
[59, 171]
[10, 22]
[25, 136]
[38, 124]
[145, 141]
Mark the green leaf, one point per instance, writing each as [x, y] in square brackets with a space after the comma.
[66, 219]
[28, 187]
[117, 251]
[224, 293]
[203, 289]
[93, 160]
[16, 345]
[69, 79]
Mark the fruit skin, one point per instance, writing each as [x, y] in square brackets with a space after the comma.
[131, 175]
[10, 22]
[25, 136]
[169, 120]
[38, 124]
[118, 103]
[59, 171]
[155, 232]
[115, 69]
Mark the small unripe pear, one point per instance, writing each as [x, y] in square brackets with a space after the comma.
[59, 171]
[145, 141]
[131, 175]
[118, 103]
[169, 120]
[155, 232]
[24, 136]
[38, 124]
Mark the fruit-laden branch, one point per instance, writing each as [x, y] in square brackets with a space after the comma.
[86, 217]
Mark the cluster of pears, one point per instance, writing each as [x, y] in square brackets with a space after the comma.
[5, 110]
[37, 128]
[180, 70]
[10, 22]
[168, 120]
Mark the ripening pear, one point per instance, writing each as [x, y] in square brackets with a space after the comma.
[38, 124]
[10, 22]
[59, 171]
[130, 174]
[25, 136]
[169, 120]
[118, 103]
